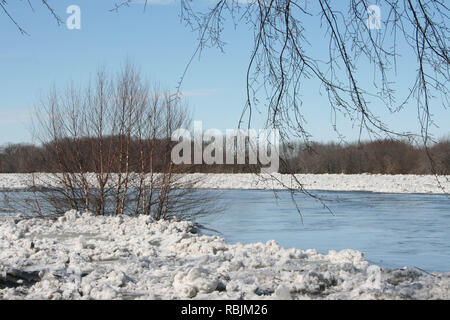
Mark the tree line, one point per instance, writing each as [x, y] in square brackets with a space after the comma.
[385, 156]
[378, 157]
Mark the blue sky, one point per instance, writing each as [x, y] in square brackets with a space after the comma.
[161, 45]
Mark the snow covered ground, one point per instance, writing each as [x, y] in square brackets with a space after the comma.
[85, 257]
[331, 182]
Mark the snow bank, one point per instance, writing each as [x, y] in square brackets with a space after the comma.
[86, 257]
[331, 182]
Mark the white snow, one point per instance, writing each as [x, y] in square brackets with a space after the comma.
[331, 182]
[80, 256]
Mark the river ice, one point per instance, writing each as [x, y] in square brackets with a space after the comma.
[80, 256]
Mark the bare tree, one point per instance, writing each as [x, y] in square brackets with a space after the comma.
[281, 60]
[99, 143]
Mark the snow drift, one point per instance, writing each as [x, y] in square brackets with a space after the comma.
[80, 256]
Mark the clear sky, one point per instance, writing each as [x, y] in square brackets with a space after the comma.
[157, 42]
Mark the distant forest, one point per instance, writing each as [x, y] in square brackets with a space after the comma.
[381, 156]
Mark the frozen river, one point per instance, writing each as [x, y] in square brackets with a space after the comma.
[81, 256]
[393, 230]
